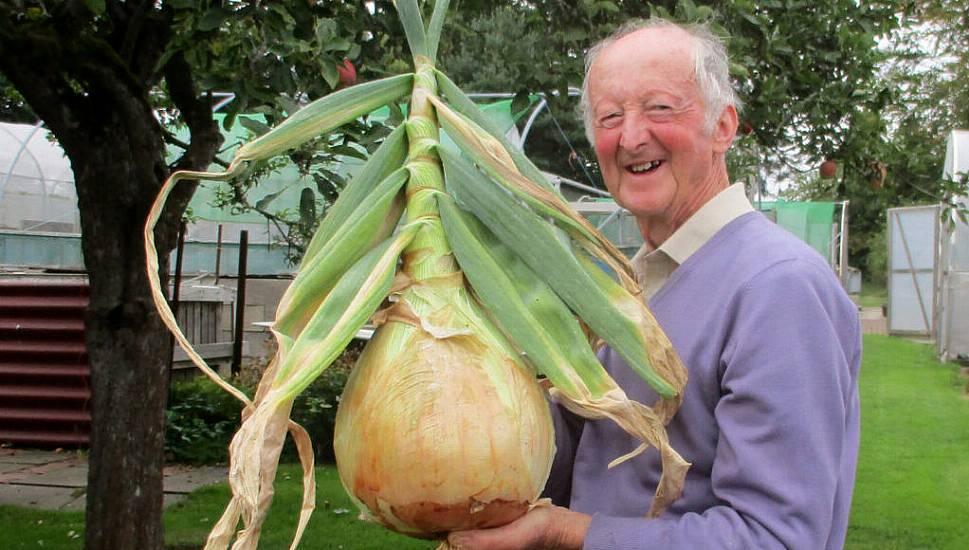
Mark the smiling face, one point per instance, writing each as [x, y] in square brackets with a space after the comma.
[657, 159]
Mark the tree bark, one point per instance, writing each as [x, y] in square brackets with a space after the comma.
[127, 343]
[116, 147]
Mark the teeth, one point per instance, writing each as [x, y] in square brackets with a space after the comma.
[644, 167]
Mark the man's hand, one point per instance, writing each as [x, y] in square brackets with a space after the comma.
[544, 527]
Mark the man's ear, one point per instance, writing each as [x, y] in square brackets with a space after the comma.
[725, 129]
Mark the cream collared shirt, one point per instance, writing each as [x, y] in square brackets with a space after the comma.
[654, 266]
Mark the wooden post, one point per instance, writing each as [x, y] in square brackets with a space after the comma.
[218, 255]
[240, 303]
[843, 273]
[176, 287]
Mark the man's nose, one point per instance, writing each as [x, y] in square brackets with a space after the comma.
[636, 131]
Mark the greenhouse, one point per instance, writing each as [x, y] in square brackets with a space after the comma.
[39, 220]
[40, 223]
[928, 271]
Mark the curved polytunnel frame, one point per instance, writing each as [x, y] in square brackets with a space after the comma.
[37, 192]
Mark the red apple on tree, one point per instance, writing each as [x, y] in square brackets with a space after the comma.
[828, 169]
[347, 72]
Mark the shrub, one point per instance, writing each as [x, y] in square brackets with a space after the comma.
[876, 263]
[200, 421]
[201, 418]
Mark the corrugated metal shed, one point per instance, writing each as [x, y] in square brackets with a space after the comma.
[44, 371]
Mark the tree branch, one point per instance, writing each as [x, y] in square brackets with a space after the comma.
[196, 111]
[30, 60]
[171, 139]
[132, 32]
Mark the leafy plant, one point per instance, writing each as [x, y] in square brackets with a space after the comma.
[201, 418]
[199, 422]
[876, 262]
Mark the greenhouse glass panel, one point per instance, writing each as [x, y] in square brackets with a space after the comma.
[913, 248]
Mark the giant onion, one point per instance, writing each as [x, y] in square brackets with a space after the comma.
[480, 277]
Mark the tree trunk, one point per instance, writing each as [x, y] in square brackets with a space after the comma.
[127, 342]
[117, 149]
[128, 347]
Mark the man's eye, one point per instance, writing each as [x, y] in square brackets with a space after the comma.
[609, 120]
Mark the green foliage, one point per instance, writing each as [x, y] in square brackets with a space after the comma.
[200, 421]
[202, 418]
[943, 29]
[479, 50]
[872, 295]
[876, 262]
[806, 71]
[13, 108]
[500, 51]
[315, 408]
[316, 160]
[269, 55]
[274, 57]
[925, 81]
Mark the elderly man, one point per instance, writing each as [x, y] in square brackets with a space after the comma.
[770, 417]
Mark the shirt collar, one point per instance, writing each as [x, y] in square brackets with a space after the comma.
[722, 209]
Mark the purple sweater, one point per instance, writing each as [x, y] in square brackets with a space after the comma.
[770, 417]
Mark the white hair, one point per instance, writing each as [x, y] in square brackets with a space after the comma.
[711, 69]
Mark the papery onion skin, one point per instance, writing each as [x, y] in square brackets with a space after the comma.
[435, 435]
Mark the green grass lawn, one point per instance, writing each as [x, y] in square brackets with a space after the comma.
[911, 491]
[40, 529]
[334, 524]
[872, 295]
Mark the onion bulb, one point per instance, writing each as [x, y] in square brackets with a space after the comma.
[441, 426]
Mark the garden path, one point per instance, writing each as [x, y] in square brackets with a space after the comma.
[57, 480]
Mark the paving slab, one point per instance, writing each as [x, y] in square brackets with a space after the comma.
[57, 481]
[873, 321]
[30, 456]
[72, 474]
[6, 467]
[57, 498]
[181, 479]
[47, 498]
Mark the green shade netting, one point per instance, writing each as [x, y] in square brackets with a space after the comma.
[812, 222]
[286, 183]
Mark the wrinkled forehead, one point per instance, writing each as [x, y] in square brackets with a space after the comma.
[664, 52]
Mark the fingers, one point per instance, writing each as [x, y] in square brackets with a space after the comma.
[549, 527]
[525, 533]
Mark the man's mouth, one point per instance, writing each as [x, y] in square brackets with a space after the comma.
[644, 167]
